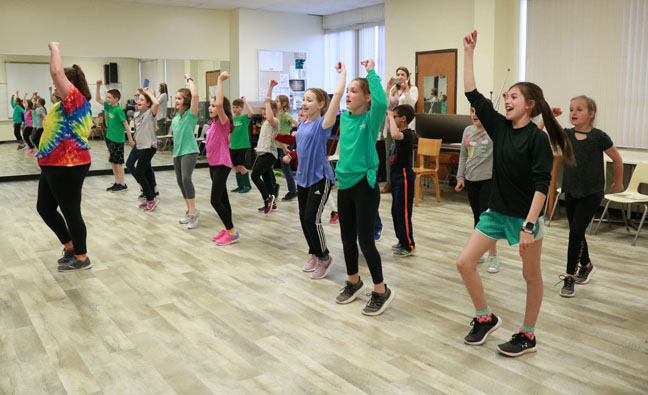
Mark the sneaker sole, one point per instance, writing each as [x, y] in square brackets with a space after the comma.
[493, 271]
[325, 272]
[352, 297]
[403, 255]
[567, 295]
[510, 354]
[121, 190]
[384, 306]
[483, 340]
[588, 278]
[226, 244]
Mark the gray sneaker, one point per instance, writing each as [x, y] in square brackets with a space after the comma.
[193, 220]
[75, 264]
[567, 290]
[585, 274]
[378, 302]
[67, 257]
[493, 264]
[350, 292]
[184, 220]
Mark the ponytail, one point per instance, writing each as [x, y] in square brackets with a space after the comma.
[557, 136]
[75, 75]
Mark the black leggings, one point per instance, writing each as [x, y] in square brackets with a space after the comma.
[478, 194]
[357, 208]
[17, 132]
[60, 186]
[144, 172]
[219, 199]
[27, 136]
[36, 137]
[311, 204]
[579, 213]
[263, 168]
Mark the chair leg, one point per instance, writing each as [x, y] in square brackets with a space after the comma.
[643, 217]
[553, 210]
[436, 188]
[417, 189]
[625, 219]
[602, 216]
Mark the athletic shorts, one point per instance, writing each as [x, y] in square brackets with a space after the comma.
[115, 152]
[499, 226]
[239, 156]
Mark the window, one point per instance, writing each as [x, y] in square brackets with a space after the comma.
[351, 47]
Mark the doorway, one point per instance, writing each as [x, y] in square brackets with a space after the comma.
[211, 81]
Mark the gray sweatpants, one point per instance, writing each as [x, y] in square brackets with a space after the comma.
[184, 166]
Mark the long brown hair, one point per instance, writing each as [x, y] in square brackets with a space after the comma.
[557, 136]
[227, 108]
[75, 75]
[409, 80]
[186, 101]
[321, 96]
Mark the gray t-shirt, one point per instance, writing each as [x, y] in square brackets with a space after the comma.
[145, 130]
[162, 108]
[588, 176]
[476, 156]
[40, 117]
[266, 143]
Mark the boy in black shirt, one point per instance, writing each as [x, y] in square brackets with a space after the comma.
[402, 178]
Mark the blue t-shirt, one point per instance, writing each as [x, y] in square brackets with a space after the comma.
[311, 153]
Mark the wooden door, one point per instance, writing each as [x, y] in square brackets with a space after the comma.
[211, 79]
[435, 65]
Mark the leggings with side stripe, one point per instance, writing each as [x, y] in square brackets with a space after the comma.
[402, 189]
[312, 201]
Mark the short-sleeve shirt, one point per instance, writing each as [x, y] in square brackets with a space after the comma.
[29, 119]
[284, 124]
[184, 141]
[402, 151]
[311, 151]
[41, 112]
[216, 144]
[266, 141]
[65, 136]
[115, 118]
[588, 176]
[162, 106]
[145, 130]
[240, 138]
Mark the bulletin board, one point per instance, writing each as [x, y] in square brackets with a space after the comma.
[281, 66]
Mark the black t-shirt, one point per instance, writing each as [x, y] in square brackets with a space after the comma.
[522, 160]
[588, 176]
[401, 152]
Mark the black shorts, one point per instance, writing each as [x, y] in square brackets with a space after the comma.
[115, 152]
[240, 157]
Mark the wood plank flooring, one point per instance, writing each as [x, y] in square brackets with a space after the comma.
[166, 311]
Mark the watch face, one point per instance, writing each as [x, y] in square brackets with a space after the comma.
[529, 225]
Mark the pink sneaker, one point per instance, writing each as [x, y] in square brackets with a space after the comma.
[143, 205]
[31, 152]
[151, 204]
[322, 268]
[228, 239]
[219, 235]
[309, 266]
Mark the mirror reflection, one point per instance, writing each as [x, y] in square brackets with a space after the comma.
[435, 89]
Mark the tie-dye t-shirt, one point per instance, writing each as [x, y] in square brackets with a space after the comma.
[65, 132]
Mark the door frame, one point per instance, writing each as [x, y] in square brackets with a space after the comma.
[207, 82]
[416, 72]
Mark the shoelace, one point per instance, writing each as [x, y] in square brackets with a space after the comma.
[373, 301]
[520, 338]
[562, 278]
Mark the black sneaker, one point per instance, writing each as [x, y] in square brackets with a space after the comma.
[289, 196]
[276, 189]
[518, 345]
[75, 264]
[378, 302]
[142, 197]
[110, 188]
[567, 290]
[67, 256]
[120, 188]
[585, 274]
[481, 330]
[350, 292]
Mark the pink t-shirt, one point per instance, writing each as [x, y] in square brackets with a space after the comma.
[29, 120]
[217, 144]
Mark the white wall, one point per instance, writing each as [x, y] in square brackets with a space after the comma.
[277, 31]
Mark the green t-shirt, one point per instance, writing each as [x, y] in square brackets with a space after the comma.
[184, 141]
[284, 124]
[240, 137]
[115, 118]
[358, 134]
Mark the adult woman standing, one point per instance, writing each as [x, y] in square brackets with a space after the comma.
[399, 91]
[161, 116]
[64, 159]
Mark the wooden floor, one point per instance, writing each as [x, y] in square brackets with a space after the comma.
[164, 310]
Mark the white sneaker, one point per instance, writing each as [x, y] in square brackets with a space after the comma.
[493, 264]
[184, 220]
[193, 220]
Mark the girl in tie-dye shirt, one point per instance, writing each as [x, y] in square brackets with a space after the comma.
[64, 158]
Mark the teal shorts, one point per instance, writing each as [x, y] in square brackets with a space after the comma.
[499, 226]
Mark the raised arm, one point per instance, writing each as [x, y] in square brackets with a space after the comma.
[378, 96]
[154, 100]
[194, 94]
[52, 97]
[269, 114]
[469, 43]
[62, 84]
[220, 96]
[250, 111]
[13, 100]
[617, 163]
[556, 112]
[393, 129]
[331, 113]
[98, 98]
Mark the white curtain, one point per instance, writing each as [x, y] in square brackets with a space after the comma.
[371, 44]
[339, 47]
[598, 48]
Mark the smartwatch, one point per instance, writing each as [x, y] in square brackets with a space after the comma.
[528, 227]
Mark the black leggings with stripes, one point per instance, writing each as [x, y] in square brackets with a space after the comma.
[312, 200]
